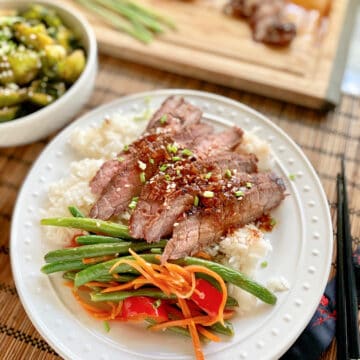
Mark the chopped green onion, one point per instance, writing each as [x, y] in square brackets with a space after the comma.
[292, 177]
[178, 172]
[176, 158]
[208, 194]
[172, 148]
[106, 326]
[249, 185]
[273, 222]
[157, 303]
[142, 177]
[163, 167]
[167, 177]
[264, 264]
[228, 173]
[126, 148]
[151, 161]
[187, 152]
[163, 119]
[239, 193]
[121, 159]
[133, 202]
[196, 200]
[208, 175]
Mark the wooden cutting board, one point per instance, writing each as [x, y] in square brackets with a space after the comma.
[212, 46]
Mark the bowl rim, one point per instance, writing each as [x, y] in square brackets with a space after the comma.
[90, 39]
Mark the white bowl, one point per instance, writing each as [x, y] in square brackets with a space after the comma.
[43, 122]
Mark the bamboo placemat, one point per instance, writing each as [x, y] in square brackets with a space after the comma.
[324, 137]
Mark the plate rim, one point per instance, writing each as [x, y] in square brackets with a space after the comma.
[165, 92]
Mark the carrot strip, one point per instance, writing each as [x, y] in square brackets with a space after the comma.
[96, 259]
[208, 334]
[87, 306]
[126, 286]
[228, 314]
[98, 284]
[193, 330]
[203, 255]
[69, 283]
[181, 322]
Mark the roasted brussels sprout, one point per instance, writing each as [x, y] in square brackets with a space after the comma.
[40, 58]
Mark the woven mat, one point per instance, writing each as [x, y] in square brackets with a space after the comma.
[323, 137]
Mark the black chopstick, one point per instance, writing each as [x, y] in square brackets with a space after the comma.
[347, 306]
[341, 325]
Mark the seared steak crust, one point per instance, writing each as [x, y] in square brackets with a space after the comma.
[170, 193]
[234, 204]
[180, 109]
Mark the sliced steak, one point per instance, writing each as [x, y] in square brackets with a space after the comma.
[172, 192]
[144, 158]
[243, 199]
[184, 112]
[150, 152]
[219, 142]
[180, 116]
[107, 171]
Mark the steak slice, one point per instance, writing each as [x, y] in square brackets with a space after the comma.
[107, 171]
[183, 111]
[171, 193]
[127, 183]
[180, 114]
[144, 157]
[231, 207]
[212, 144]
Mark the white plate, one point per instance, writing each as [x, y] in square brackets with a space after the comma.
[302, 242]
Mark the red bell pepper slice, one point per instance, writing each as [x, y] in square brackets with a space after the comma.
[207, 297]
[136, 308]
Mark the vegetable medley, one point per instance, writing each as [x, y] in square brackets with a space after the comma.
[39, 60]
[115, 278]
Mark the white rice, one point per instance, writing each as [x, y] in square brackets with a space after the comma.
[108, 139]
[251, 143]
[243, 250]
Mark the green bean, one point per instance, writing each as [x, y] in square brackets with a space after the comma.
[156, 251]
[63, 266]
[70, 275]
[175, 329]
[234, 277]
[97, 239]
[226, 329]
[92, 225]
[121, 295]
[75, 212]
[231, 302]
[91, 251]
[94, 272]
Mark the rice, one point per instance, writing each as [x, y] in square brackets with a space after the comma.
[243, 250]
[251, 143]
[108, 139]
[72, 190]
